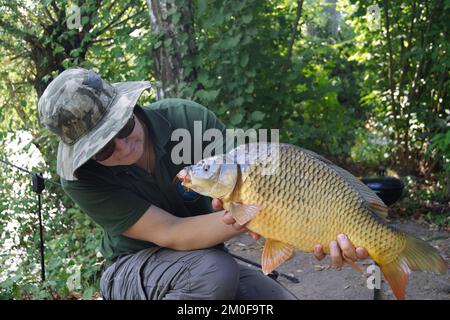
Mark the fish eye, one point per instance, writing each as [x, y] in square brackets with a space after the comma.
[206, 167]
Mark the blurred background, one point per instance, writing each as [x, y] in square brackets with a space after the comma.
[364, 83]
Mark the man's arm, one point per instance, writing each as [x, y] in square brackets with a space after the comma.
[166, 230]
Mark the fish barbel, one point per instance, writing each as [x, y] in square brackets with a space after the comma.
[296, 198]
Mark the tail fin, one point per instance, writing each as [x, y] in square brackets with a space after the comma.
[417, 255]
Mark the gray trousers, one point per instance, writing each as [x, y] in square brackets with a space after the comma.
[199, 274]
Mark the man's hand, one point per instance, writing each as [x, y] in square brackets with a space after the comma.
[340, 250]
[228, 219]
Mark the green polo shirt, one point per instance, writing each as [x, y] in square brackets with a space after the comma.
[116, 197]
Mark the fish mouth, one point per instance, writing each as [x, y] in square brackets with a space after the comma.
[185, 177]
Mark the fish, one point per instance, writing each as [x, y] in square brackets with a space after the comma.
[296, 199]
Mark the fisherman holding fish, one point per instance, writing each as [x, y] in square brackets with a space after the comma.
[160, 241]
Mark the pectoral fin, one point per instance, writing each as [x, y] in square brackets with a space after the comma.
[275, 253]
[243, 213]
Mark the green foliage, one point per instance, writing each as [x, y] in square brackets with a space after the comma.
[406, 76]
[71, 239]
[370, 148]
[249, 81]
[441, 143]
[339, 84]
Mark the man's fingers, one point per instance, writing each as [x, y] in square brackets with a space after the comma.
[318, 252]
[362, 253]
[340, 250]
[335, 254]
[238, 226]
[228, 218]
[347, 247]
[255, 236]
[217, 204]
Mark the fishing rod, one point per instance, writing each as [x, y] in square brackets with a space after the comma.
[38, 185]
[29, 172]
[274, 274]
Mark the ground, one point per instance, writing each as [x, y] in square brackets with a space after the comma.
[319, 281]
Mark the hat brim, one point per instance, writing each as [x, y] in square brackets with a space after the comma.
[71, 157]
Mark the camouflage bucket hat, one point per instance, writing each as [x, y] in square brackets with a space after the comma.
[86, 112]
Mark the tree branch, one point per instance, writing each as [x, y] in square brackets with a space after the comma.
[15, 103]
[390, 60]
[99, 32]
[130, 17]
[57, 11]
[48, 13]
[405, 66]
[295, 29]
[443, 78]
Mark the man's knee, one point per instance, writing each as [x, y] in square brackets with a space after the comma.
[216, 276]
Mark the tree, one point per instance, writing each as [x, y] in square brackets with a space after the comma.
[37, 44]
[407, 76]
[174, 51]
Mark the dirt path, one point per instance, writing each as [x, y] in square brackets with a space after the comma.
[319, 281]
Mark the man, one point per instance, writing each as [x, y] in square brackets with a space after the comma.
[114, 159]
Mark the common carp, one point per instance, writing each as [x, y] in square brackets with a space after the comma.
[296, 198]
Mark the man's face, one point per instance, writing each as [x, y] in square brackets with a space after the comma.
[128, 150]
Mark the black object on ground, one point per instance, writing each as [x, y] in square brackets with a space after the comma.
[389, 189]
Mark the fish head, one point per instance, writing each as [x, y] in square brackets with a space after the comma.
[211, 177]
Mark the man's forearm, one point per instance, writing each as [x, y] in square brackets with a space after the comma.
[200, 232]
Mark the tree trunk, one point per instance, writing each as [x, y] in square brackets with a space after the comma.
[173, 25]
[298, 15]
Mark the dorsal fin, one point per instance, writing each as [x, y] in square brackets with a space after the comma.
[370, 197]
[373, 201]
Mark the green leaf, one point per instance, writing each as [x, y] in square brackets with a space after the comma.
[207, 95]
[87, 294]
[250, 88]
[116, 52]
[203, 78]
[238, 101]
[247, 18]
[222, 110]
[157, 45]
[84, 20]
[183, 37]
[58, 49]
[214, 20]
[257, 116]
[201, 7]
[447, 4]
[96, 50]
[218, 19]
[167, 42]
[244, 60]
[236, 118]
[75, 52]
[176, 18]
